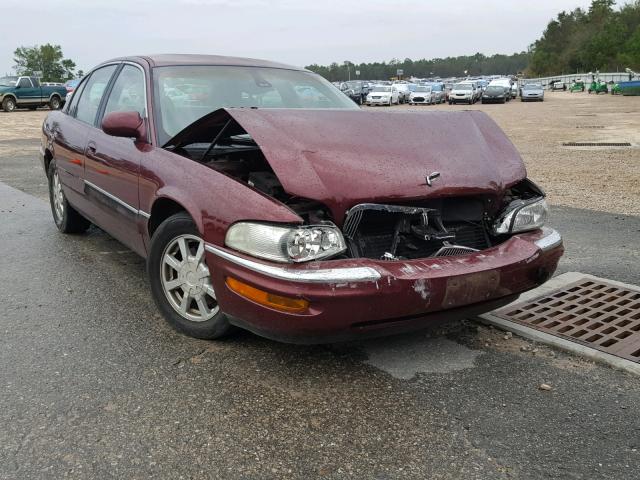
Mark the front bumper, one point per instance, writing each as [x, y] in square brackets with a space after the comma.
[378, 101]
[363, 297]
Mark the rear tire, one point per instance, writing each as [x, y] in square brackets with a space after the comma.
[66, 218]
[189, 307]
[55, 103]
[9, 104]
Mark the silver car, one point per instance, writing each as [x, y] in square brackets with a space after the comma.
[532, 92]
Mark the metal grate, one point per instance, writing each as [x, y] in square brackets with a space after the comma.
[596, 144]
[590, 312]
[589, 126]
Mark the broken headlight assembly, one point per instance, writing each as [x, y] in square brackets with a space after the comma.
[286, 244]
[521, 216]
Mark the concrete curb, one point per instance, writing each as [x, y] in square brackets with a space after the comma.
[558, 342]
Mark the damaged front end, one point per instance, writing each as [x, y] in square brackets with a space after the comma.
[368, 200]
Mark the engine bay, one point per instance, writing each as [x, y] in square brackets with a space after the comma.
[411, 230]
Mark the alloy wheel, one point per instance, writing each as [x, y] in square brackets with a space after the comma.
[57, 196]
[186, 279]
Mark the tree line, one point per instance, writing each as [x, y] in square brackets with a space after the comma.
[602, 38]
[47, 61]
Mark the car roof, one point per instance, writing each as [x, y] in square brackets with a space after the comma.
[164, 60]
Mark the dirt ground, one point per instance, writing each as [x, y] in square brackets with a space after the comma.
[596, 178]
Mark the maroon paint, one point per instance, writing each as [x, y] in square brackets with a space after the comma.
[338, 157]
[124, 124]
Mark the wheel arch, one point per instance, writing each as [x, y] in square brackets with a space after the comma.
[164, 207]
[47, 157]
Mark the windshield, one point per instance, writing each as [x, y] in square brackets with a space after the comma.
[532, 86]
[423, 89]
[184, 94]
[381, 88]
[8, 81]
[436, 88]
[495, 88]
[462, 86]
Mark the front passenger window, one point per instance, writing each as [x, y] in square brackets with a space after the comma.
[127, 94]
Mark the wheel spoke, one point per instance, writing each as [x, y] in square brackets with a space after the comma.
[184, 303]
[173, 284]
[172, 261]
[184, 251]
[202, 306]
[210, 291]
[199, 252]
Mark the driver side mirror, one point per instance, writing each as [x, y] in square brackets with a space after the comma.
[125, 124]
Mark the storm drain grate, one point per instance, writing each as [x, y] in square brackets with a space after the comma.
[596, 144]
[590, 126]
[590, 312]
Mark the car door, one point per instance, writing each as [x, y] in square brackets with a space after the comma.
[112, 163]
[69, 132]
[26, 93]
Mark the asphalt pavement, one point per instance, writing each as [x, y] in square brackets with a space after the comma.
[94, 384]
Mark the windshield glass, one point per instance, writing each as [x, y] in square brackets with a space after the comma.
[381, 88]
[532, 86]
[495, 88]
[184, 94]
[423, 89]
[8, 81]
[436, 88]
[462, 86]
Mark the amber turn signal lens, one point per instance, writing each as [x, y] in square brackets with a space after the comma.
[285, 304]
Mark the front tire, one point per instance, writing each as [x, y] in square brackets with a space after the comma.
[66, 218]
[9, 104]
[181, 282]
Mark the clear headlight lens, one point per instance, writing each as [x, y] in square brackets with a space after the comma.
[521, 216]
[286, 244]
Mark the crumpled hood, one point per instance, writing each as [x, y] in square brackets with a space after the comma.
[346, 157]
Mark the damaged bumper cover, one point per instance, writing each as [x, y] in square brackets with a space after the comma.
[353, 298]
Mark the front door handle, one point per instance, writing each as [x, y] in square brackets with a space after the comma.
[91, 149]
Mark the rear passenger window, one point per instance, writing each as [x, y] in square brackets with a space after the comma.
[91, 95]
[127, 94]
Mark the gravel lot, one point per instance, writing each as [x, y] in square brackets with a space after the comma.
[604, 179]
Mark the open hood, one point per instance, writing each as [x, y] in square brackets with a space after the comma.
[346, 157]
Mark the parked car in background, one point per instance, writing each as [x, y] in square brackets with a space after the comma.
[71, 85]
[514, 90]
[404, 90]
[505, 83]
[422, 95]
[532, 92]
[494, 94]
[437, 92]
[383, 95]
[26, 92]
[447, 90]
[462, 93]
[356, 90]
[288, 221]
[557, 85]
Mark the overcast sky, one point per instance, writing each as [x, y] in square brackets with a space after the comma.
[299, 32]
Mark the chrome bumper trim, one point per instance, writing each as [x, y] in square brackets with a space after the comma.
[320, 275]
[551, 239]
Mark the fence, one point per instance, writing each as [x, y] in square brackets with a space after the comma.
[585, 77]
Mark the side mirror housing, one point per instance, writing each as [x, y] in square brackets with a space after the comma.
[125, 124]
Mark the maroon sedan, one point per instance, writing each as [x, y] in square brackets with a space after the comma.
[271, 202]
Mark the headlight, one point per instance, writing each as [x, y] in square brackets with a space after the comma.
[521, 216]
[286, 244]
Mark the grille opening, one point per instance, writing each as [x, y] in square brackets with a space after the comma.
[448, 227]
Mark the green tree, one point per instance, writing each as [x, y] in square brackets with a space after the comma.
[47, 59]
